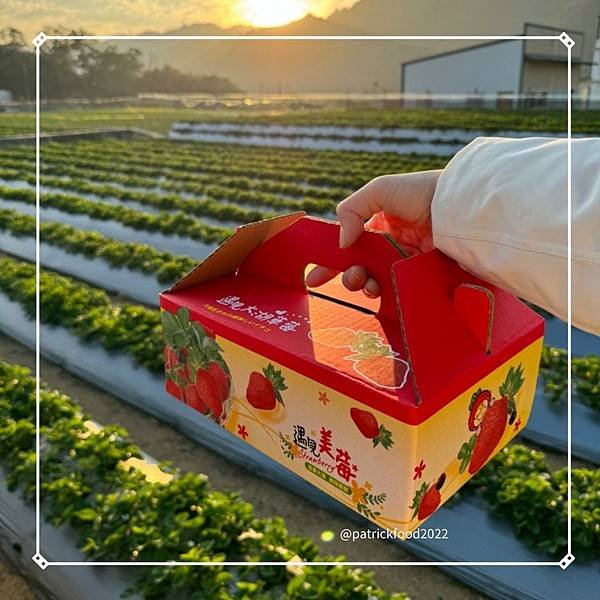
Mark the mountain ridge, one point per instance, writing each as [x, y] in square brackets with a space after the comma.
[355, 66]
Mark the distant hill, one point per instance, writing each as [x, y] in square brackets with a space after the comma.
[339, 66]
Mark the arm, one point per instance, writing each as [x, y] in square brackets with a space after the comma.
[500, 210]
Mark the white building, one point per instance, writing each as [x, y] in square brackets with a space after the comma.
[500, 73]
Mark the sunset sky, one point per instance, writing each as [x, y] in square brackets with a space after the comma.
[134, 16]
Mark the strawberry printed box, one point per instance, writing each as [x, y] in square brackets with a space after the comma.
[387, 405]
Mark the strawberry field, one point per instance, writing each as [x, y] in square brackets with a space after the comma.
[161, 119]
[124, 218]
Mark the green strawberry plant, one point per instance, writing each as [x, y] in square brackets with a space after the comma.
[138, 257]
[86, 311]
[119, 515]
[585, 373]
[519, 485]
[178, 223]
[161, 119]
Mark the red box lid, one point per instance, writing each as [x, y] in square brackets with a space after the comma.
[436, 331]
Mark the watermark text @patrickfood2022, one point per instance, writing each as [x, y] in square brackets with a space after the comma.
[423, 533]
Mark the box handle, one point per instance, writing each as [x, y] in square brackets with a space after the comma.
[284, 257]
[475, 306]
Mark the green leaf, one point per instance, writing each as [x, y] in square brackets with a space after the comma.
[183, 316]
[86, 514]
[170, 323]
[384, 437]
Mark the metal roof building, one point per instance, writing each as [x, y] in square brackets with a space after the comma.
[501, 73]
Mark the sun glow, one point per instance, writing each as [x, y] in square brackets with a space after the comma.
[272, 13]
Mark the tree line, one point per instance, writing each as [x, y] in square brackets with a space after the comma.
[91, 69]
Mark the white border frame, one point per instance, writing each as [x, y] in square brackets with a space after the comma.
[39, 559]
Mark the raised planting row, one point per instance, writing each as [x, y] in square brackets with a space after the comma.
[165, 267]
[585, 373]
[517, 484]
[269, 158]
[191, 182]
[329, 132]
[160, 119]
[187, 168]
[142, 176]
[169, 159]
[220, 203]
[119, 514]
[87, 312]
[304, 160]
[486, 120]
[176, 181]
[178, 223]
[376, 145]
[218, 209]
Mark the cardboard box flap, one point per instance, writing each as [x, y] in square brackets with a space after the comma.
[454, 323]
[231, 254]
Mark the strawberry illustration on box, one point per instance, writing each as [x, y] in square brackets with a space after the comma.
[387, 405]
[195, 369]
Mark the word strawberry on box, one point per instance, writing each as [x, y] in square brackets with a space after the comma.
[389, 406]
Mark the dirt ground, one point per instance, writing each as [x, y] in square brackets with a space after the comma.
[302, 518]
[12, 585]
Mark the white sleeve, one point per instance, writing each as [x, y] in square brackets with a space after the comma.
[500, 210]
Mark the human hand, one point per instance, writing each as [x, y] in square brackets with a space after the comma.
[397, 204]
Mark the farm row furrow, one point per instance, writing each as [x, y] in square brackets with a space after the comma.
[178, 223]
[467, 515]
[466, 119]
[97, 168]
[437, 148]
[164, 267]
[215, 202]
[91, 484]
[174, 244]
[331, 132]
[217, 209]
[212, 159]
[231, 155]
[160, 119]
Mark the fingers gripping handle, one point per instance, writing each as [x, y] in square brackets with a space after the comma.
[284, 257]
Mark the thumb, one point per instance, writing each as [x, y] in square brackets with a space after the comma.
[355, 210]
